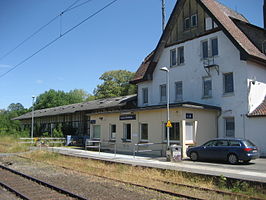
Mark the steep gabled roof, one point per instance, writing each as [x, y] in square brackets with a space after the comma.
[140, 73]
[223, 16]
[260, 111]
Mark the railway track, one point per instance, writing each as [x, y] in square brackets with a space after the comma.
[29, 188]
[199, 190]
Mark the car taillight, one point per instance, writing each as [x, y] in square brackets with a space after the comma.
[248, 149]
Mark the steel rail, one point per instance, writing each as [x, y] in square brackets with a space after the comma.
[60, 190]
[163, 181]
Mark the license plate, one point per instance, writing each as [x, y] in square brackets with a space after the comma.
[255, 151]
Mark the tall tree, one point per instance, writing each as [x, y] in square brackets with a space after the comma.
[115, 83]
[53, 98]
[7, 125]
[15, 107]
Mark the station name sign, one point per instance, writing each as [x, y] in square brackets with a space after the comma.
[127, 117]
[189, 115]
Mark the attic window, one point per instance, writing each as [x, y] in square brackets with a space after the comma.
[186, 23]
[209, 23]
[194, 20]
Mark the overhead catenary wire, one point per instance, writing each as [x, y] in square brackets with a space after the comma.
[70, 7]
[57, 38]
[81, 4]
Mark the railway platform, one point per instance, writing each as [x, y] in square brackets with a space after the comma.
[254, 171]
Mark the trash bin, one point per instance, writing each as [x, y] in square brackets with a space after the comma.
[68, 140]
[174, 153]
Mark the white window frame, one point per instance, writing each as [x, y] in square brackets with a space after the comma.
[225, 126]
[144, 140]
[113, 134]
[208, 23]
[204, 79]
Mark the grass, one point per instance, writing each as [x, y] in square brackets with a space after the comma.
[149, 176]
[10, 144]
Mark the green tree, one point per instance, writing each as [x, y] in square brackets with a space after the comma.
[15, 107]
[53, 98]
[115, 83]
[7, 125]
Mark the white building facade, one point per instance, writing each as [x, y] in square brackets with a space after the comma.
[212, 67]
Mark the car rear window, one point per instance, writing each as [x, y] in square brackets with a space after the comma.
[248, 143]
[234, 143]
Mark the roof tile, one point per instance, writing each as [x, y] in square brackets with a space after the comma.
[260, 110]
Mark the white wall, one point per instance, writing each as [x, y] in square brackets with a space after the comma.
[256, 129]
[192, 72]
[257, 92]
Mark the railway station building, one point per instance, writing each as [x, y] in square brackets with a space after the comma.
[213, 61]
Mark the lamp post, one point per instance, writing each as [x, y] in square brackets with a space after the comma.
[32, 119]
[168, 95]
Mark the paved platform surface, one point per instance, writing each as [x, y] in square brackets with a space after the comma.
[254, 171]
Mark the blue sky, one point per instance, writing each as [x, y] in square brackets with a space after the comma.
[118, 38]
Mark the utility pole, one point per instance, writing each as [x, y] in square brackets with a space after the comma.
[163, 14]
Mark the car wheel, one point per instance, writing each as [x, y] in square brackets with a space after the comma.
[232, 159]
[194, 156]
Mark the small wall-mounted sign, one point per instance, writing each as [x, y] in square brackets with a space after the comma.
[189, 115]
[127, 117]
[93, 121]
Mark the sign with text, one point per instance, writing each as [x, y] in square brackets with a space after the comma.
[127, 117]
[189, 115]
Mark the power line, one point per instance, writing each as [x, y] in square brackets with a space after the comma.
[42, 27]
[81, 4]
[57, 38]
